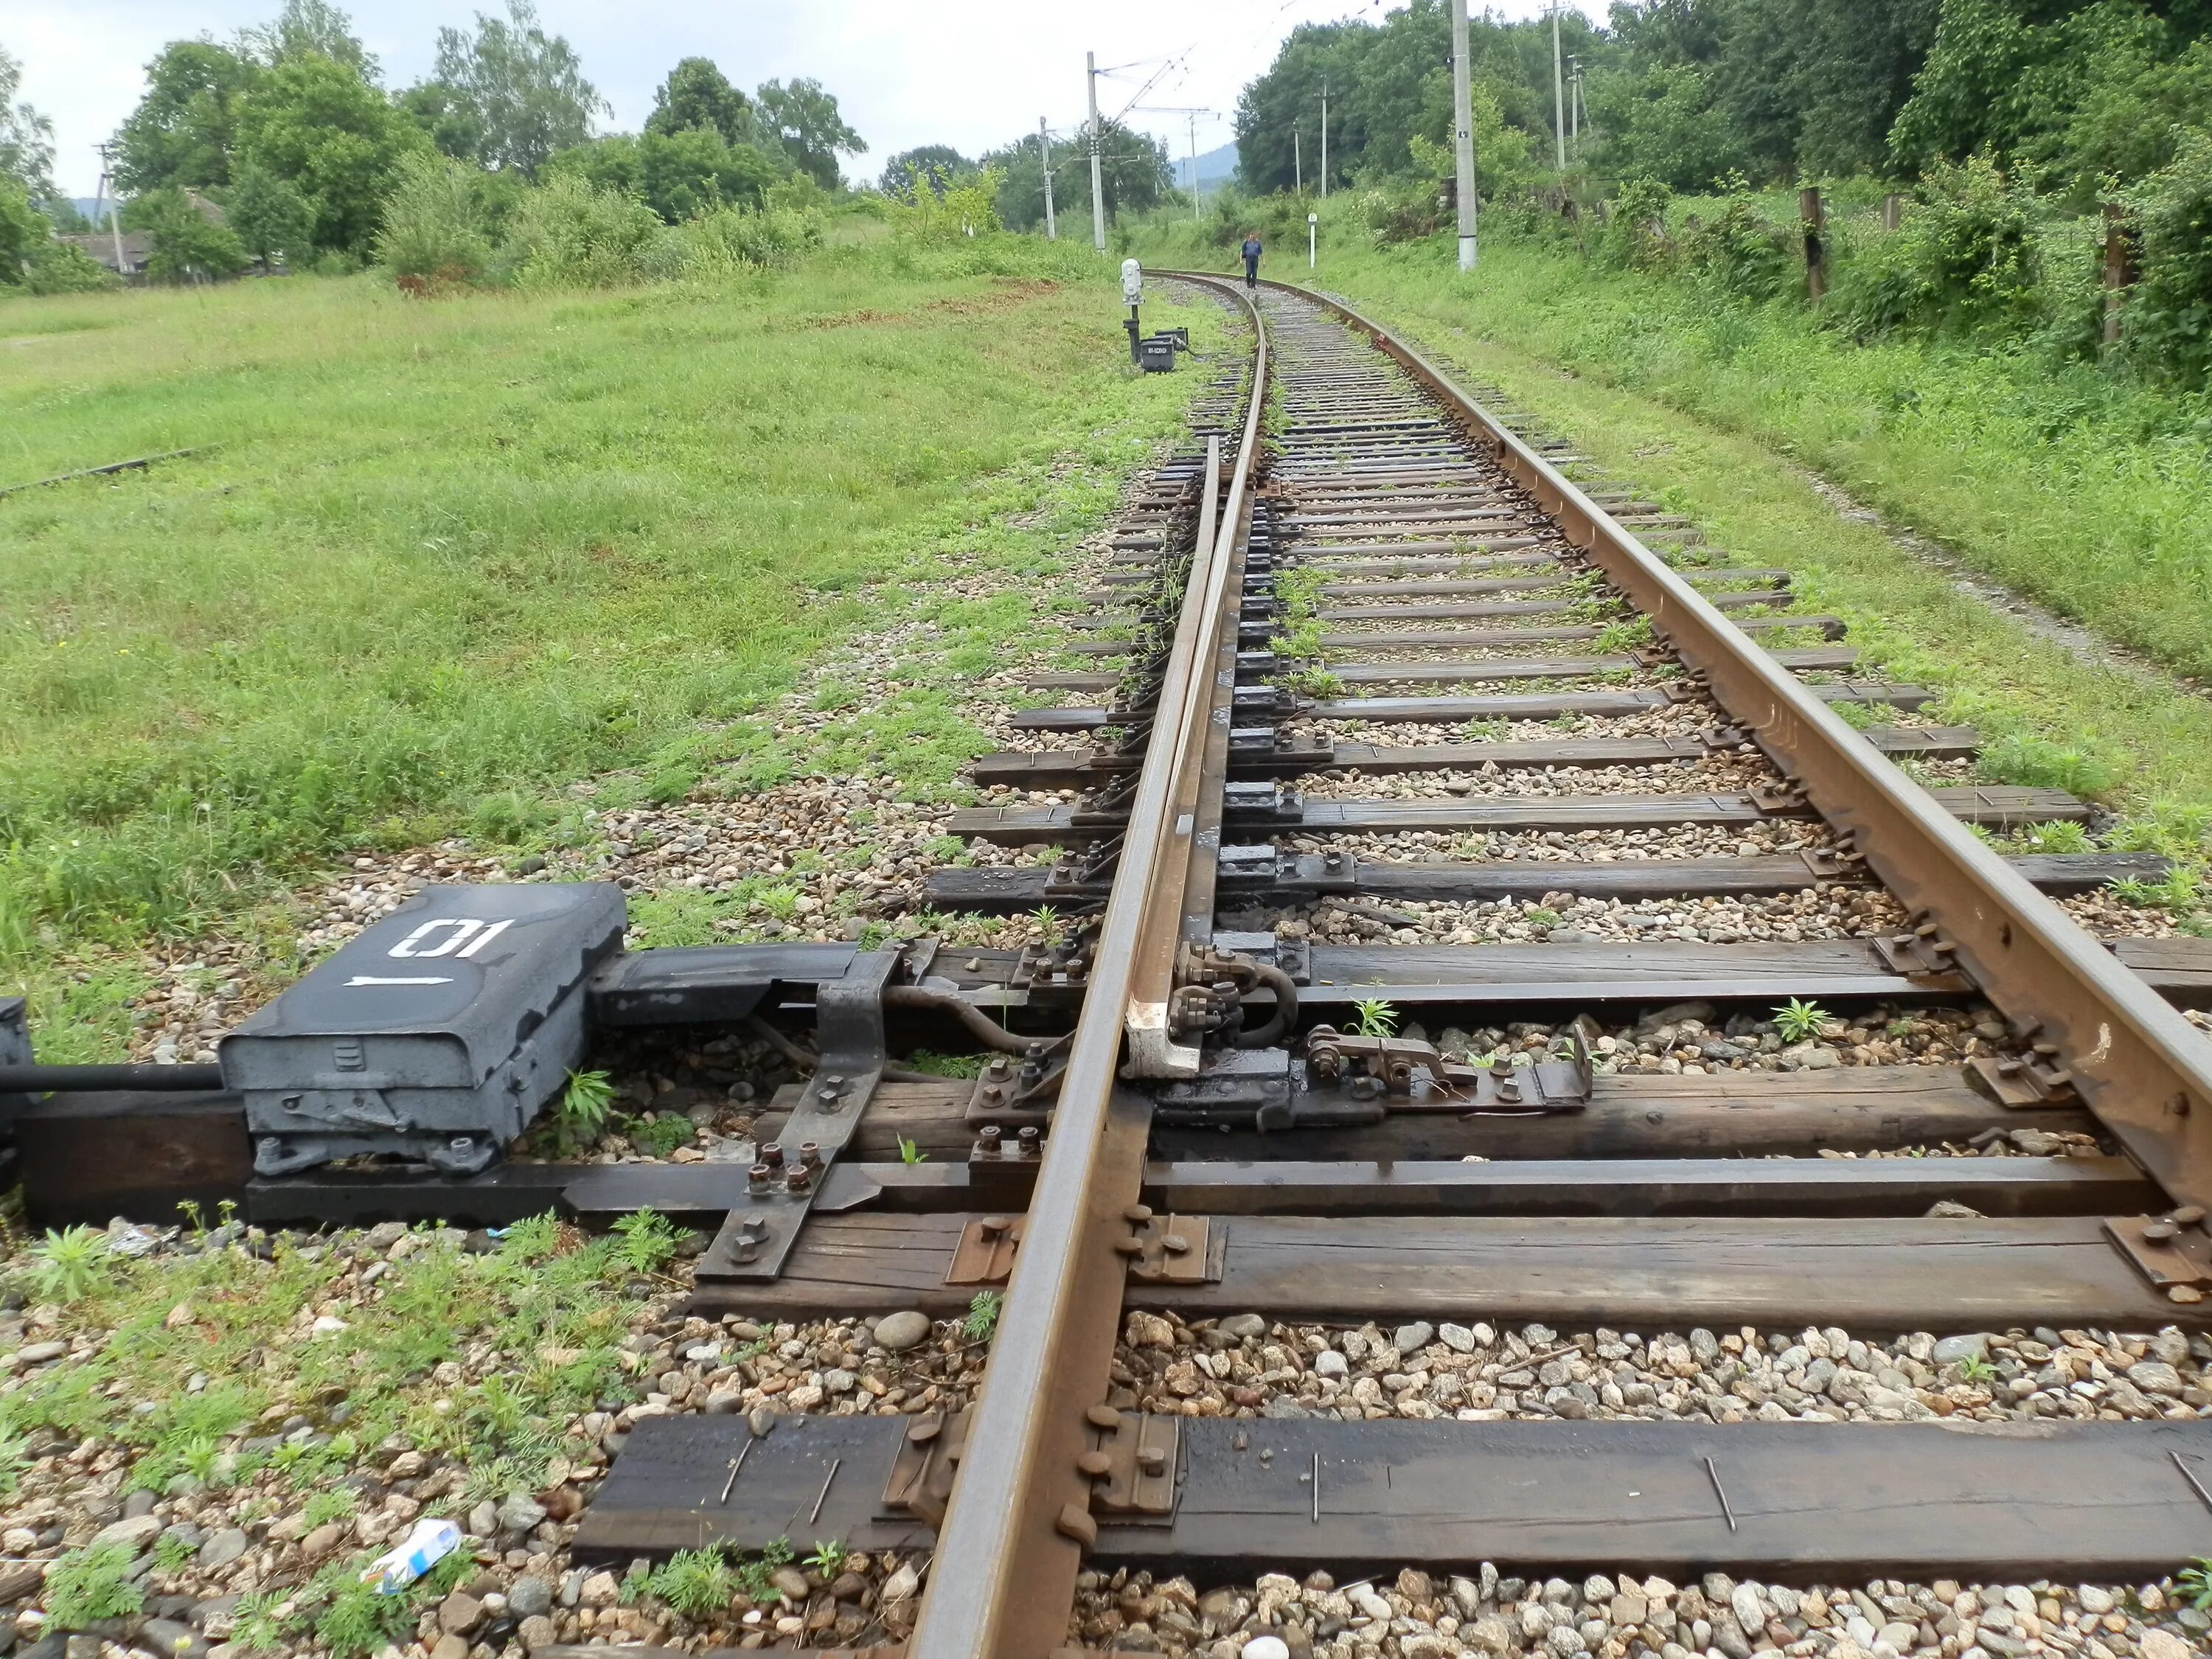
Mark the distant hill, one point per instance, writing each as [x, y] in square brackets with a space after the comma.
[1215, 167]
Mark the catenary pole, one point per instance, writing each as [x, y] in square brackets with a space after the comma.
[1297, 163]
[1097, 180]
[114, 224]
[1044, 155]
[1463, 134]
[1324, 138]
[1192, 117]
[1559, 93]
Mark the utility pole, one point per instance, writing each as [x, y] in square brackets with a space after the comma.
[1575, 108]
[114, 224]
[1559, 93]
[1192, 117]
[1297, 163]
[1324, 138]
[1463, 134]
[1044, 155]
[1098, 182]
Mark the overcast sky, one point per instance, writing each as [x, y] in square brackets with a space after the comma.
[969, 73]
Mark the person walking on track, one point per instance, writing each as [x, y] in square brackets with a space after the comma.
[1251, 252]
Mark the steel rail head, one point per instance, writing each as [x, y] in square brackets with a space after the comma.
[2142, 1067]
[1198, 691]
[1003, 1577]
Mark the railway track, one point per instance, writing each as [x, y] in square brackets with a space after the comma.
[1524, 1051]
[1450, 854]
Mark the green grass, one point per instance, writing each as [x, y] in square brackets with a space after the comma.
[448, 557]
[2078, 491]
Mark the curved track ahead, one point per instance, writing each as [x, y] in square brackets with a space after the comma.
[1401, 627]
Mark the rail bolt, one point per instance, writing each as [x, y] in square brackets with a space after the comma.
[810, 1154]
[759, 1178]
[772, 1155]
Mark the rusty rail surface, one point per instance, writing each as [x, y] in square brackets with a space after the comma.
[2132, 1058]
[1012, 1543]
[1013, 1538]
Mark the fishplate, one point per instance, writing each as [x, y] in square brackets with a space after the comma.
[2026, 1080]
[1917, 955]
[1017, 1095]
[984, 1253]
[2172, 1251]
[921, 1482]
[1131, 1462]
[1171, 1249]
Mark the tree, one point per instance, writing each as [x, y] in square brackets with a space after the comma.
[27, 137]
[188, 244]
[185, 128]
[696, 93]
[805, 118]
[936, 165]
[305, 27]
[1390, 84]
[679, 175]
[525, 88]
[1133, 170]
[23, 228]
[334, 139]
[447, 117]
[271, 220]
[1663, 124]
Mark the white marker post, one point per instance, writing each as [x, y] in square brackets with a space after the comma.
[1313, 224]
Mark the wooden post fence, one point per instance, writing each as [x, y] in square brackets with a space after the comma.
[1816, 254]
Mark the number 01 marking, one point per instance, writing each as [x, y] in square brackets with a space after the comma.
[465, 937]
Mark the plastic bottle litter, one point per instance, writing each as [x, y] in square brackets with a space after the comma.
[429, 1543]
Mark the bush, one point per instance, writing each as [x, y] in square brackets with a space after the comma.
[570, 233]
[927, 211]
[1637, 233]
[2170, 312]
[432, 225]
[188, 245]
[731, 240]
[57, 268]
[1961, 259]
[1744, 253]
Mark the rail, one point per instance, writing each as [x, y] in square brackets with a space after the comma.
[2132, 1058]
[1012, 1541]
[1010, 1545]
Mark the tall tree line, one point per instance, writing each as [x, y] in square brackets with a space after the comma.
[289, 128]
[2071, 94]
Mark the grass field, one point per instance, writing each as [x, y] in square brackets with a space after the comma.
[2077, 493]
[437, 560]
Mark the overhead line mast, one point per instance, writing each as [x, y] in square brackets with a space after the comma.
[1463, 134]
[1098, 182]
